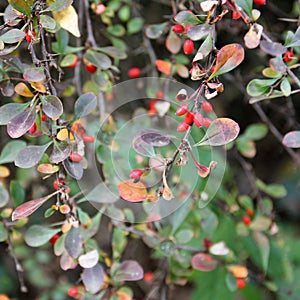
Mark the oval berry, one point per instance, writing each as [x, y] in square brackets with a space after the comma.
[29, 35]
[73, 292]
[198, 120]
[87, 138]
[246, 220]
[32, 129]
[189, 118]
[134, 72]
[188, 47]
[91, 68]
[206, 106]
[137, 173]
[236, 15]
[54, 238]
[288, 56]
[43, 118]
[76, 157]
[182, 110]
[148, 276]
[57, 184]
[178, 28]
[240, 283]
[250, 212]
[183, 127]
[260, 2]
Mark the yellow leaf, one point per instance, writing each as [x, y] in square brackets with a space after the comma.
[123, 296]
[38, 86]
[62, 134]
[132, 191]
[4, 172]
[238, 271]
[68, 20]
[23, 90]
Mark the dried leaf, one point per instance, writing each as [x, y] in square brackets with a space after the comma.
[23, 90]
[167, 193]
[39, 86]
[252, 37]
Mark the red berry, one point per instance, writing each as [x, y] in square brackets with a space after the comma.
[136, 174]
[73, 292]
[240, 283]
[207, 243]
[188, 47]
[189, 118]
[87, 138]
[182, 110]
[73, 64]
[43, 118]
[178, 28]
[159, 94]
[29, 35]
[32, 129]
[213, 68]
[206, 122]
[91, 68]
[206, 106]
[54, 238]
[152, 109]
[288, 56]
[250, 212]
[57, 184]
[198, 120]
[134, 72]
[148, 276]
[246, 220]
[76, 157]
[183, 127]
[260, 2]
[236, 15]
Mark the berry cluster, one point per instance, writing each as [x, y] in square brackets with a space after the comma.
[188, 45]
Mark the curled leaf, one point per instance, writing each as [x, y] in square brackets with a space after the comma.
[167, 193]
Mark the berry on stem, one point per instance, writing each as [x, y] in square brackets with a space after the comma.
[288, 56]
[87, 138]
[76, 157]
[148, 276]
[240, 283]
[207, 243]
[188, 47]
[54, 238]
[32, 129]
[137, 173]
[189, 118]
[246, 220]
[183, 127]
[43, 118]
[178, 28]
[250, 212]
[152, 109]
[57, 184]
[182, 110]
[260, 2]
[91, 68]
[206, 106]
[73, 291]
[236, 15]
[134, 72]
[198, 120]
[29, 35]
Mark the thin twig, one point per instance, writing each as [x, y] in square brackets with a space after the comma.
[90, 35]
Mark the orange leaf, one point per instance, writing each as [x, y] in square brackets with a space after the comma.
[132, 191]
[163, 66]
[238, 271]
[23, 90]
[47, 168]
[38, 86]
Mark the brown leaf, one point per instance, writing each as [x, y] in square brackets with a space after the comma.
[23, 90]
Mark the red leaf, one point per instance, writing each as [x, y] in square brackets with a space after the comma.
[228, 58]
[203, 262]
[163, 66]
[27, 208]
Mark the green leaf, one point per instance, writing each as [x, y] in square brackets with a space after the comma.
[23, 6]
[246, 201]
[258, 87]
[124, 13]
[10, 151]
[204, 49]
[17, 192]
[119, 242]
[228, 58]
[114, 52]
[3, 233]
[274, 190]
[154, 31]
[48, 22]
[93, 278]
[10, 110]
[59, 5]
[52, 106]
[135, 25]
[100, 60]
[263, 245]
[37, 235]
[30, 155]
[68, 60]
[12, 36]
[186, 18]
[246, 5]
[116, 30]
[246, 147]
[184, 236]
[84, 105]
[180, 215]
[231, 282]
[256, 131]
[4, 196]
[285, 87]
